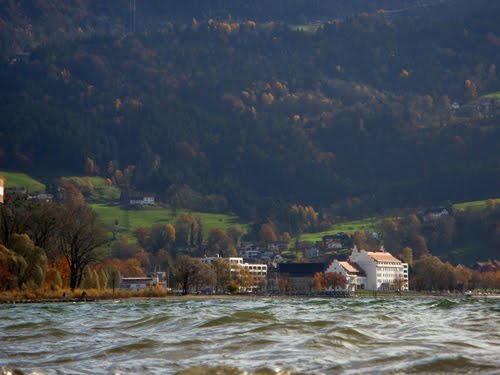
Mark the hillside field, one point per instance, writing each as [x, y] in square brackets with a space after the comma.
[22, 180]
[101, 191]
[347, 227]
[474, 205]
[129, 220]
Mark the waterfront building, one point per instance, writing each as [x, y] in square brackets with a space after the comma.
[294, 277]
[257, 270]
[372, 270]
[354, 274]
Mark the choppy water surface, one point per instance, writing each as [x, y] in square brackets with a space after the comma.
[262, 335]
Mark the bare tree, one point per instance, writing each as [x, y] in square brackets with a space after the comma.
[81, 235]
[186, 272]
[13, 217]
[203, 277]
[42, 227]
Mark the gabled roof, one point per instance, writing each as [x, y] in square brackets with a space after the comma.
[352, 268]
[382, 256]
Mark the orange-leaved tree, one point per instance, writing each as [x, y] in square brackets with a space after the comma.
[335, 280]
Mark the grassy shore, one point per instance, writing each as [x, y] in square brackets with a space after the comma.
[66, 295]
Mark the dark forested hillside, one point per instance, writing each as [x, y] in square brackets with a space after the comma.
[28, 22]
[386, 107]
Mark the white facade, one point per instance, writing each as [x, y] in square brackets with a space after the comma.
[256, 269]
[336, 245]
[383, 271]
[144, 201]
[136, 283]
[356, 278]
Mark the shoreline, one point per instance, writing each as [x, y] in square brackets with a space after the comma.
[241, 296]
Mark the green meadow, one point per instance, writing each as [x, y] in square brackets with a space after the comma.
[128, 220]
[468, 255]
[22, 180]
[347, 227]
[101, 192]
[493, 95]
[307, 28]
[474, 205]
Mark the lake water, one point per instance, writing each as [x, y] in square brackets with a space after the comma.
[261, 335]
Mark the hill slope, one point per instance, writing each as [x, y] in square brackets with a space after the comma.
[257, 115]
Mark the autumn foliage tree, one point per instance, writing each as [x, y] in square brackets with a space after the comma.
[23, 265]
[335, 280]
[267, 234]
[222, 273]
[12, 267]
[186, 229]
[301, 218]
[219, 242]
[192, 274]
[320, 283]
[35, 258]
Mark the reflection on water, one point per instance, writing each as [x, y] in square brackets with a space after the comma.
[259, 336]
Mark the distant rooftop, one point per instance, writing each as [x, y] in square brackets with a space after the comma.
[352, 268]
[382, 256]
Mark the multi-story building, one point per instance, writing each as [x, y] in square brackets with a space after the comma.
[372, 270]
[257, 270]
[251, 254]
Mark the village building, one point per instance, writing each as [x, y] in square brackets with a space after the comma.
[334, 245]
[341, 237]
[142, 200]
[277, 246]
[383, 271]
[294, 277]
[138, 283]
[257, 270]
[490, 266]
[311, 252]
[43, 197]
[435, 214]
[135, 198]
[355, 276]
[251, 254]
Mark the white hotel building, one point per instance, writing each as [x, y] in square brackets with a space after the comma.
[257, 270]
[372, 270]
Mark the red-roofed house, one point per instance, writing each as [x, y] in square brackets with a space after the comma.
[356, 277]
